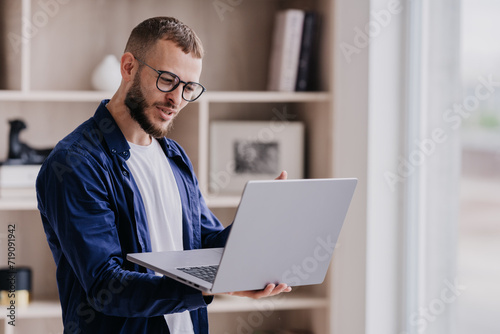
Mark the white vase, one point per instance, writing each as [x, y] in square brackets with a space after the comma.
[107, 75]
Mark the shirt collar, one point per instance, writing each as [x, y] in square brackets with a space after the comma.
[116, 141]
[111, 132]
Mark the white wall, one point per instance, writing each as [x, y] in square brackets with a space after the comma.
[350, 130]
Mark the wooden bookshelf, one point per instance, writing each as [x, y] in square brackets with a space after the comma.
[47, 83]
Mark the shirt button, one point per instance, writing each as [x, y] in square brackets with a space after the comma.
[125, 173]
[125, 153]
[113, 150]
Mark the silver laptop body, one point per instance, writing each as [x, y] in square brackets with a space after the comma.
[284, 232]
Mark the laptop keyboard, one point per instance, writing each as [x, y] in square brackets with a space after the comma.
[206, 273]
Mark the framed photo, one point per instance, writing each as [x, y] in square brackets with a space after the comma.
[253, 150]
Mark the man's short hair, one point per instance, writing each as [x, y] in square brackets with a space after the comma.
[145, 35]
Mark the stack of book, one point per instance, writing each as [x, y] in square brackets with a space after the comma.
[294, 50]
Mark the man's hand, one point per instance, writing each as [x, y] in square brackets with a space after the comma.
[270, 290]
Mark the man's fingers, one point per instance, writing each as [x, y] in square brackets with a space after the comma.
[280, 288]
[268, 291]
[282, 176]
[272, 290]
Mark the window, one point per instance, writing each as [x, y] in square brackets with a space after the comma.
[479, 230]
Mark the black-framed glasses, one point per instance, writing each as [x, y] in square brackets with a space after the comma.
[168, 81]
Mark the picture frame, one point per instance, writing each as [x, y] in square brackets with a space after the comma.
[253, 150]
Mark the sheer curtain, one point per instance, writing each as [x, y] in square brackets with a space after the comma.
[396, 93]
[432, 158]
[412, 215]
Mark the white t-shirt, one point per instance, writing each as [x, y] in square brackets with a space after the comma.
[154, 177]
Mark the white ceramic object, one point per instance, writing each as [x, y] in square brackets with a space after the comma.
[107, 76]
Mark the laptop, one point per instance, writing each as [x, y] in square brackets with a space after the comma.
[284, 231]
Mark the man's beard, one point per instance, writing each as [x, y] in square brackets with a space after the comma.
[137, 105]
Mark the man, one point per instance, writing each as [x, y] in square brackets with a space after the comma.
[117, 185]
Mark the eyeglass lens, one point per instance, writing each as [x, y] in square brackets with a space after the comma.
[191, 91]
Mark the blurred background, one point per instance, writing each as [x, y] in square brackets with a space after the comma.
[479, 232]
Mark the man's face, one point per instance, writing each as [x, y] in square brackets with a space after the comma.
[152, 109]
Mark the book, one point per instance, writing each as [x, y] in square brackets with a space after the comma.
[308, 53]
[285, 50]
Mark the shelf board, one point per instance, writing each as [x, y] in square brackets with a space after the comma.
[40, 309]
[208, 97]
[53, 96]
[266, 96]
[222, 201]
[21, 203]
[223, 304]
[29, 203]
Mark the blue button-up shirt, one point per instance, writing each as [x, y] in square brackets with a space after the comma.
[93, 216]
